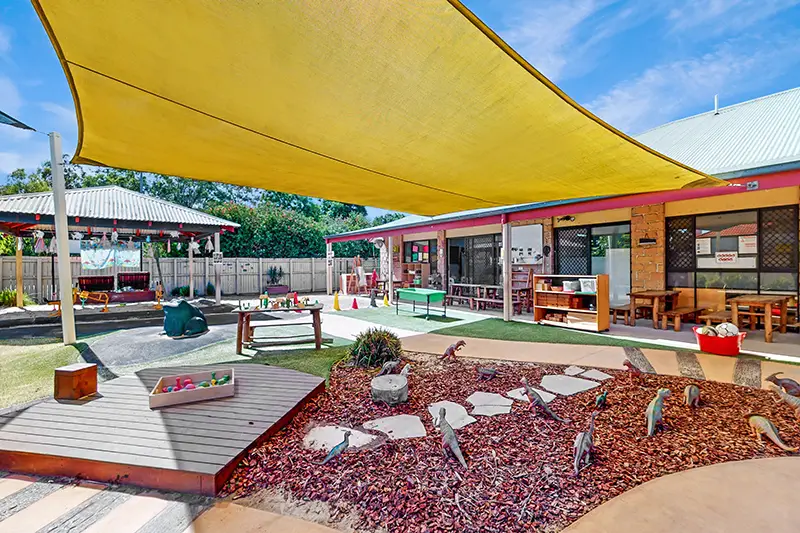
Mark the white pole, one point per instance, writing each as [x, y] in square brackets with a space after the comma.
[217, 273]
[508, 310]
[390, 277]
[191, 269]
[62, 240]
[328, 268]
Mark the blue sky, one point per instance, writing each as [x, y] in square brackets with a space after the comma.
[635, 63]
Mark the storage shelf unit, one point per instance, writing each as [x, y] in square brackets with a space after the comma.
[569, 309]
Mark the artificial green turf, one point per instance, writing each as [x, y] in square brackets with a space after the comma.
[310, 361]
[28, 366]
[496, 328]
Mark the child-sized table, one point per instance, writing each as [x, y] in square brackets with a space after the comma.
[426, 296]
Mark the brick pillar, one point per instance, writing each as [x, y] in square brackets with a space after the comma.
[647, 261]
[548, 263]
[441, 259]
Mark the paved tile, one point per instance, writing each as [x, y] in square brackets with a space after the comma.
[489, 403]
[131, 515]
[747, 372]
[14, 483]
[662, 362]
[688, 365]
[596, 375]
[398, 427]
[567, 385]
[717, 367]
[326, 437]
[455, 414]
[573, 370]
[519, 395]
[41, 513]
[225, 517]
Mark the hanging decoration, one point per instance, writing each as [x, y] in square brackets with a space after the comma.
[209, 245]
[178, 246]
[147, 239]
[77, 235]
[174, 234]
[104, 242]
[114, 235]
[38, 245]
[169, 245]
[53, 248]
[131, 244]
[194, 246]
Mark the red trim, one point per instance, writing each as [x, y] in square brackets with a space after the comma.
[790, 178]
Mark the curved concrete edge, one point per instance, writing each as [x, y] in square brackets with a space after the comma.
[752, 495]
[232, 517]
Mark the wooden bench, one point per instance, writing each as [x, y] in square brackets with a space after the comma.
[716, 317]
[450, 298]
[622, 310]
[677, 314]
[476, 302]
[73, 382]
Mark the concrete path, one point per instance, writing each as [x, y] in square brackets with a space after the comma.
[755, 495]
[29, 504]
[743, 370]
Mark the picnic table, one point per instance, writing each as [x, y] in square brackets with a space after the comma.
[245, 327]
[654, 298]
[762, 301]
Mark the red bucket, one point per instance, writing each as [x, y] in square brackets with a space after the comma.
[720, 345]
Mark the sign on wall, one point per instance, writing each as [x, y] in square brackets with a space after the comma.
[748, 244]
[726, 258]
[702, 246]
[216, 258]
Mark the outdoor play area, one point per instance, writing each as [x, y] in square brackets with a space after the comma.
[383, 275]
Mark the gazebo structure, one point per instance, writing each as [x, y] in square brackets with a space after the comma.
[112, 219]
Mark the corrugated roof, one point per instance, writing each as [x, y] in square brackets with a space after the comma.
[110, 202]
[753, 134]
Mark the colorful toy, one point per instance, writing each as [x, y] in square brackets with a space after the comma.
[204, 384]
[190, 386]
[707, 330]
[164, 389]
[169, 389]
[213, 378]
[726, 329]
[187, 381]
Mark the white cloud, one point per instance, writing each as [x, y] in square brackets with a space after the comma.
[5, 40]
[64, 114]
[716, 17]
[663, 92]
[10, 100]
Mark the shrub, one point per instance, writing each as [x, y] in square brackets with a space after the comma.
[274, 274]
[181, 291]
[8, 298]
[210, 289]
[374, 347]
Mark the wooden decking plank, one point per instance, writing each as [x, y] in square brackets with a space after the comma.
[247, 388]
[56, 441]
[246, 401]
[107, 456]
[239, 407]
[34, 417]
[201, 437]
[80, 433]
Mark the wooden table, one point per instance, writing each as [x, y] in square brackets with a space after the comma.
[767, 302]
[655, 298]
[243, 335]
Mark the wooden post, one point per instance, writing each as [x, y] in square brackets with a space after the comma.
[174, 272]
[313, 274]
[62, 239]
[236, 275]
[217, 272]
[508, 308]
[191, 269]
[39, 298]
[260, 276]
[20, 279]
[205, 275]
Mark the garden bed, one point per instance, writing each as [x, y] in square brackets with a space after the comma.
[520, 467]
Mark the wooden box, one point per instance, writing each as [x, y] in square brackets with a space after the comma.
[165, 399]
[76, 381]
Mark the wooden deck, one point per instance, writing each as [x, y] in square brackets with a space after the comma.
[117, 437]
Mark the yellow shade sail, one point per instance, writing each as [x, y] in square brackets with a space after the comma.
[409, 105]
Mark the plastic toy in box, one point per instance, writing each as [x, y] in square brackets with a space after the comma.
[192, 387]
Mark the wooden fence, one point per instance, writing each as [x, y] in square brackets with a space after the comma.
[240, 275]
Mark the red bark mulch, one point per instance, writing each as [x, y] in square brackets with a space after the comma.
[520, 465]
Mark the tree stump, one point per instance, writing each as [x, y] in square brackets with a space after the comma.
[392, 389]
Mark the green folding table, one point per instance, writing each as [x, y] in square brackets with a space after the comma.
[426, 296]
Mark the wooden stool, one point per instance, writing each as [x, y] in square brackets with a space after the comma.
[73, 382]
[624, 311]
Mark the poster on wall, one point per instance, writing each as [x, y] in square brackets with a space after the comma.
[702, 246]
[748, 244]
[726, 258]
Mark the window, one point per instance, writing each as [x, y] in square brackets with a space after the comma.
[475, 259]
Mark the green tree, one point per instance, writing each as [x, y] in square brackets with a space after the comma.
[386, 218]
[340, 210]
[293, 202]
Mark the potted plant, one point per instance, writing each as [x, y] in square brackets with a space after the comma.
[274, 276]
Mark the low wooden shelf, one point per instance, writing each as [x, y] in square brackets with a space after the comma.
[571, 306]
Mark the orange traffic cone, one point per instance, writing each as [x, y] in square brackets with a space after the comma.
[355, 303]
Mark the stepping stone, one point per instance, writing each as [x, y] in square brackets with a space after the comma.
[490, 404]
[567, 385]
[596, 375]
[519, 395]
[398, 427]
[456, 414]
[573, 370]
[326, 437]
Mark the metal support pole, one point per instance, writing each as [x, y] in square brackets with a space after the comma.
[191, 269]
[328, 268]
[217, 272]
[508, 309]
[20, 279]
[390, 277]
[62, 240]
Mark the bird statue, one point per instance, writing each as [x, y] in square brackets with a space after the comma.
[406, 370]
[600, 400]
[339, 449]
[388, 368]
